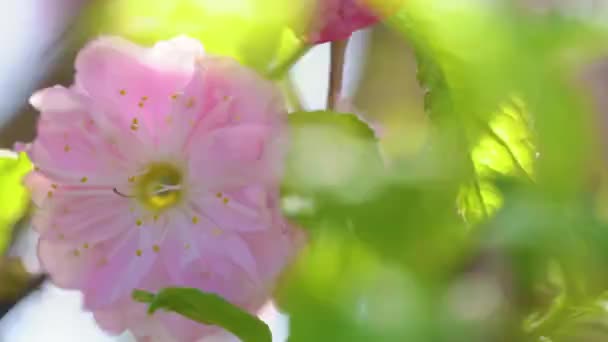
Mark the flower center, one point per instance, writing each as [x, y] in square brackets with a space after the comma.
[160, 188]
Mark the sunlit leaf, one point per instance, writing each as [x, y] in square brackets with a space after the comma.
[478, 201]
[207, 308]
[13, 196]
[253, 31]
[470, 88]
[504, 147]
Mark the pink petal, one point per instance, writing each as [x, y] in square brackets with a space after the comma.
[137, 82]
[228, 214]
[122, 271]
[65, 268]
[236, 156]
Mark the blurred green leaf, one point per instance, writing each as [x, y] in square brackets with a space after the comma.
[341, 291]
[333, 158]
[207, 308]
[498, 89]
[587, 322]
[13, 196]
[373, 236]
[255, 32]
[336, 180]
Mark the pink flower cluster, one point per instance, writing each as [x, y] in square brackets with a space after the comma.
[160, 167]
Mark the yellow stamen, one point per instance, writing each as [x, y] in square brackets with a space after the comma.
[194, 219]
[85, 246]
[226, 200]
[84, 180]
[190, 103]
[156, 248]
[76, 253]
[123, 92]
[138, 252]
[66, 148]
[139, 223]
[102, 262]
[54, 186]
[49, 194]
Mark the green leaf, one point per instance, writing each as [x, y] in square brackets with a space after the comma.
[333, 157]
[336, 180]
[13, 196]
[497, 91]
[503, 146]
[207, 308]
[376, 231]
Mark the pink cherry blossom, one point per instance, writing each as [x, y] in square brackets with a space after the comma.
[338, 19]
[160, 167]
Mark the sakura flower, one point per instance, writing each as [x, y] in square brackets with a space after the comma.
[159, 167]
[338, 19]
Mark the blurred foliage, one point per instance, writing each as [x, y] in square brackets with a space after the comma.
[207, 308]
[255, 32]
[392, 254]
[13, 197]
[345, 154]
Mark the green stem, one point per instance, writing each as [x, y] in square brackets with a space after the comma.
[291, 94]
[279, 71]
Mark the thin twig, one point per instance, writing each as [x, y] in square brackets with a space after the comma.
[336, 72]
